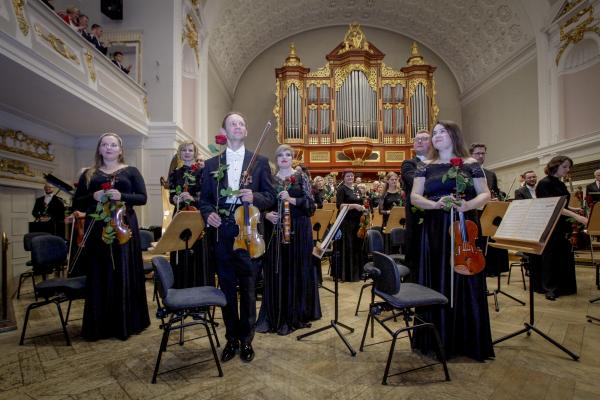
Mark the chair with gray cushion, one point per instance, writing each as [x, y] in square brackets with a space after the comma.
[29, 272]
[375, 243]
[177, 305]
[49, 254]
[396, 295]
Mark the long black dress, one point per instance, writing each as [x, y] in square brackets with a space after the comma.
[349, 249]
[465, 328]
[115, 303]
[291, 295]
[199, 271]
[554, 270]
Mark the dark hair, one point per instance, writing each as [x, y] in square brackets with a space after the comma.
[458, 143]
[553, 164]
[527, 172]
[347, 171]
[229, 114]
[475, 145]
[94, 26]
[116, 53]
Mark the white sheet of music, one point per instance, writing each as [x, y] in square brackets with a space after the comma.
[526, 220]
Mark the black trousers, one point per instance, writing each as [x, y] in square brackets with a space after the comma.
[236, 268]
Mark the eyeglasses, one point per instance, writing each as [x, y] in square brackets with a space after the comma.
[111, 145]
[478, 153]
[421, 140]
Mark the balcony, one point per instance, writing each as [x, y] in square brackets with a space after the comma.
[52, 75]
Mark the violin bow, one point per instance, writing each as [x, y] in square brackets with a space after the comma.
[247, 173]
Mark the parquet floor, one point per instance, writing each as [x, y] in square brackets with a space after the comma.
[318, 367]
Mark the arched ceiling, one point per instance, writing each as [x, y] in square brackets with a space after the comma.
[474, 37]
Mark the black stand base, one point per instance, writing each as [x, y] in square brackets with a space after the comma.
[498, 291]
[590, 318]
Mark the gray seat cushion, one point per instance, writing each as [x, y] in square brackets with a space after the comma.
[69, 286]
[202, 296]
[413, 295]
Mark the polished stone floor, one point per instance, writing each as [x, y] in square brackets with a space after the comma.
[318, 367]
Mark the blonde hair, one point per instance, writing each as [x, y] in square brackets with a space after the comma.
[281, 149]
[182, 146]
[98, 160]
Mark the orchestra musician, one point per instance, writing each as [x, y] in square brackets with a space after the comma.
[465, 327]
[478, 151]
[184, 185]
[291, 294]
[115, 302]
[319, 191]
[592, 191]
[527, 191]
[391, 197]
[50, 208]
[235, 267]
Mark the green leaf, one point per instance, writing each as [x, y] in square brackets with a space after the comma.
[108, 229]
[224, 212]
[95, 216]
[107, 219]
[213, 149]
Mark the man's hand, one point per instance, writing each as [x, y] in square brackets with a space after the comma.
[214, 220]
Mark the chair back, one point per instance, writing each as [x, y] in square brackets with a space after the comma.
[388, 280]
[48, 252]
[374, 241]
[164, 274]
[28, 236]
[146, 239]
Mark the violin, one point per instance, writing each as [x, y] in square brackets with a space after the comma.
[247, 216]
[188, 206]
[117, 209]
[286, 223]
[468, 258]
[365, 219]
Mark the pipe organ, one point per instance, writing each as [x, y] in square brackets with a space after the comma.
[355, 111]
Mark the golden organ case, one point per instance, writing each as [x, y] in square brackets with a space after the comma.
[355, 112]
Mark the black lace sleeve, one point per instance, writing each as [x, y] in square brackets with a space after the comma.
[421, 170]
[476, 170]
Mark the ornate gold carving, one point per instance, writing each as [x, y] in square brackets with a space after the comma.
[389, 72]
[57, 44]
[146, 106]
[18, 142]
[575, 35]
[325, 106]
[276, 109]
[394, 156]
[434, 106]
[412, 85]
[415, 58]
[568, 7]
[191, 34]
[89, 60]
[312, 106]
[342, 73]
[323, 72]
[15, 167]
[19, 7]
[354, 39]
[318, 82]
[387, 106]
[292, 59]
[320, 156]
[296, 82]
[195, 3]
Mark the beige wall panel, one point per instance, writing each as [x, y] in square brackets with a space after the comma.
[218, 104]
[581, 102]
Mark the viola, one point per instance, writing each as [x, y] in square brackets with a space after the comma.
[468, 258]
[188, 206]
[365, 219]
[286, 223]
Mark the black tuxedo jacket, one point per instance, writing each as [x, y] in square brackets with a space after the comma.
[589, 191]
[55, 210]
[522, 193]
[408, 169]
[94, 40]
[261, 185]
[492, 182]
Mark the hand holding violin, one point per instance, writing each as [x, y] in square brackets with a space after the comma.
[273, 217]
[246, 195]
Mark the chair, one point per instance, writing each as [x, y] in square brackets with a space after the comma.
[179, 304]
[398, 239]
[520, 263]
[402, 296]
[28, 273]
[375, 243]
[49, 253]
[146, 239]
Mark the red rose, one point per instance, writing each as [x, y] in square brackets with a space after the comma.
[456, 162]
[292, 180]
[195, 167]
[220, 139]
[106, 186]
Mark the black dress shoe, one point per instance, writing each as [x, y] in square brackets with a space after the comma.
[551, 295]
[229, 351]
[246, 352]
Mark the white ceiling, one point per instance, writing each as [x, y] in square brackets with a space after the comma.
[474, 37]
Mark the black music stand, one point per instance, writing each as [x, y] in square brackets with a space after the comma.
[593, 229]
[532, 247]
[490, 220]
[318, 252]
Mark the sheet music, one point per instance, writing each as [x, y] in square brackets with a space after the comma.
[528, 220]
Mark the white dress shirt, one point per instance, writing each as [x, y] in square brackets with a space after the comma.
[235, 161]
[532, 191]
[48, 198]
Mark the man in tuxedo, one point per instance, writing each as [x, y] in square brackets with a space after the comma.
[51, 209]
[527, 191]
[235, 267]
[478, 152]
[118, 61]
[412, 246]
[95, 36]
[592, 191]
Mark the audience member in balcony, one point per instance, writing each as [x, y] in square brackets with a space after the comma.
[71, 17]
[84, 21]
[118, 59]
[95, 37]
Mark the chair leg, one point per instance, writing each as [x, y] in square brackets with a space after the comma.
[440, 350]
[366, 285]
[63, 323]
[362, 342]
[68, 312]
[523, 276]
[163, 347]
[372, 319]
[509, 272]
[389, 360]
[29, 308]
[21, 277]
[214, 350]
[34, 287]
[211, 321]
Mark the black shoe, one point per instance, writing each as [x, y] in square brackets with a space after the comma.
[229, 351]
[246, 352]
[551, 296]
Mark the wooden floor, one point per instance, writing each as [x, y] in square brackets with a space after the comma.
[319, 367]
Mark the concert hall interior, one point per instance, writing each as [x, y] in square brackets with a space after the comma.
[122, 109]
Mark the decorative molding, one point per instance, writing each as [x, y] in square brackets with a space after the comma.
[19, 7]
[20, 143]
[190, 32]
[15, 167]
[575, 34]
[89, 61]
[57, 44]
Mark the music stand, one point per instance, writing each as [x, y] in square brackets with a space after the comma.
[320, 222]
[490, 220]
[526, 227]
[397, 219]
[593, 229]
[318, 251]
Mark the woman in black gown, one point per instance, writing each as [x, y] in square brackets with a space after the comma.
[391, 196]
[115, 303]
[348, 249]
[554, 270]
[185, 182]
[465, 327]
[291, 296]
